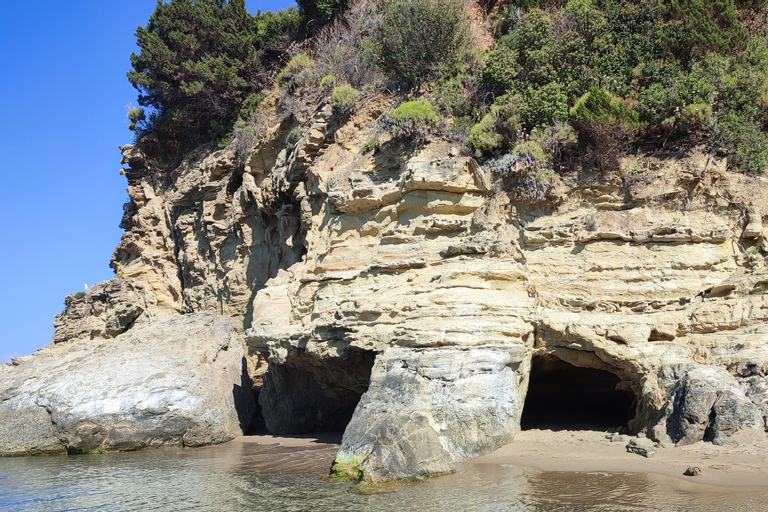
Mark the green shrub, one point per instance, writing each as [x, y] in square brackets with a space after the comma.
[453, 97]
[328, 83]
[500, 72]
[744, 140]
[321, 9]
[696, 118]
[696, 27]
[137, 117]
[605, 123]
[543, 106]
[499, 130]
[524, 173]
[558, 141]
[483, 137]
[344, 100]
[411, 120]
[598, 111]
[419, 37]
[297, 74]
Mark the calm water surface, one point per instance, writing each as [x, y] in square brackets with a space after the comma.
[250, 477]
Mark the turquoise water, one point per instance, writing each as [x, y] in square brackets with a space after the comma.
[251, 477]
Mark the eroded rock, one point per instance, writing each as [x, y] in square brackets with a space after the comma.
[180, 381]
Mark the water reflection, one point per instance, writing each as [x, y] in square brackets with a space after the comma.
[250, 477]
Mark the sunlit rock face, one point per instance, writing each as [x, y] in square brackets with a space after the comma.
[180, 381]
[404, 294]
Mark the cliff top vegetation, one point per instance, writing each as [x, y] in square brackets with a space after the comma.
[575, 83]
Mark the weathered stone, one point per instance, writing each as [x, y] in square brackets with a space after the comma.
[401, 278]
[643, 447]
[179, 381]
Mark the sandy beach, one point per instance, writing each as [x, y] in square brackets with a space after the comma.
[546, 450]
[590, 451]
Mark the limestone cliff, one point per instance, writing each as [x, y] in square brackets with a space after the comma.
[403, 293]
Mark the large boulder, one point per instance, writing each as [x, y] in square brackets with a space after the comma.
[180, 381]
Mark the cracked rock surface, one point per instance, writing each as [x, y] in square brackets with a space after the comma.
[177, 381]
[403, 294]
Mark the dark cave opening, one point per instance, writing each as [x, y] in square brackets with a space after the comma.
[565, 397]
[309, 399]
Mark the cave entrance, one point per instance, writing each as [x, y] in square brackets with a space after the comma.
[306, 398]
[565, 397]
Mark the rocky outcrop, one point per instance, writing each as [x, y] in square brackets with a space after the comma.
[456, 287]
[406, 293]
[180, 381]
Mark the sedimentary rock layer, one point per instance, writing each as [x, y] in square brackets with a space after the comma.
[405, 292]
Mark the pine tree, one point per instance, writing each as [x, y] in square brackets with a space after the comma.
[200, 60]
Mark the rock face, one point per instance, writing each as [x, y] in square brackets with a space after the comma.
[405, 293]
[178, 381]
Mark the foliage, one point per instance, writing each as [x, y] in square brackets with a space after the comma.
[347, 47]
[605, 123]
[499, 130]
[696, 27]
[419, 37]
[321, 9]
[413, 120]
[199, 61]
[344, 100]
[297, 74]
[328, 83]
[137, 118]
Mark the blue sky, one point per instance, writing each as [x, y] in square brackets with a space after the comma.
[64, 96]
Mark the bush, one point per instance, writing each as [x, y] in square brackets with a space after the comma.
[500, 71]
[344, 100]
[696, 118]
[328, 84]
[137, 118]
[605, 123]
[558, 141]
[543, 106]
[456, 96]
[297, 74]
[419, 37]
[499, 130]
[525, 173]
[321, 9]
[741, 136]
[347, 48]
[413, 120]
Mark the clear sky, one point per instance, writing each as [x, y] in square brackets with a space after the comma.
[64, 96]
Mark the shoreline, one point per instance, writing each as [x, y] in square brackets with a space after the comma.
[583, 451]
[590, 451]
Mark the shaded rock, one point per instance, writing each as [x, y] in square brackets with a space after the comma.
[710, 406]
[180, 381]
[692, 471]
[643, 447]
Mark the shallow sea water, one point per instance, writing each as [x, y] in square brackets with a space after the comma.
[250, 477]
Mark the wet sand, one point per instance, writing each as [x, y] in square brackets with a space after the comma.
[296, 441]
[591, 451]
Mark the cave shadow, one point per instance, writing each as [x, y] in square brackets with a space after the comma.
[566, 397]
[246, 401]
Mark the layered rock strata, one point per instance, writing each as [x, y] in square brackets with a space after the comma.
[404, 292]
